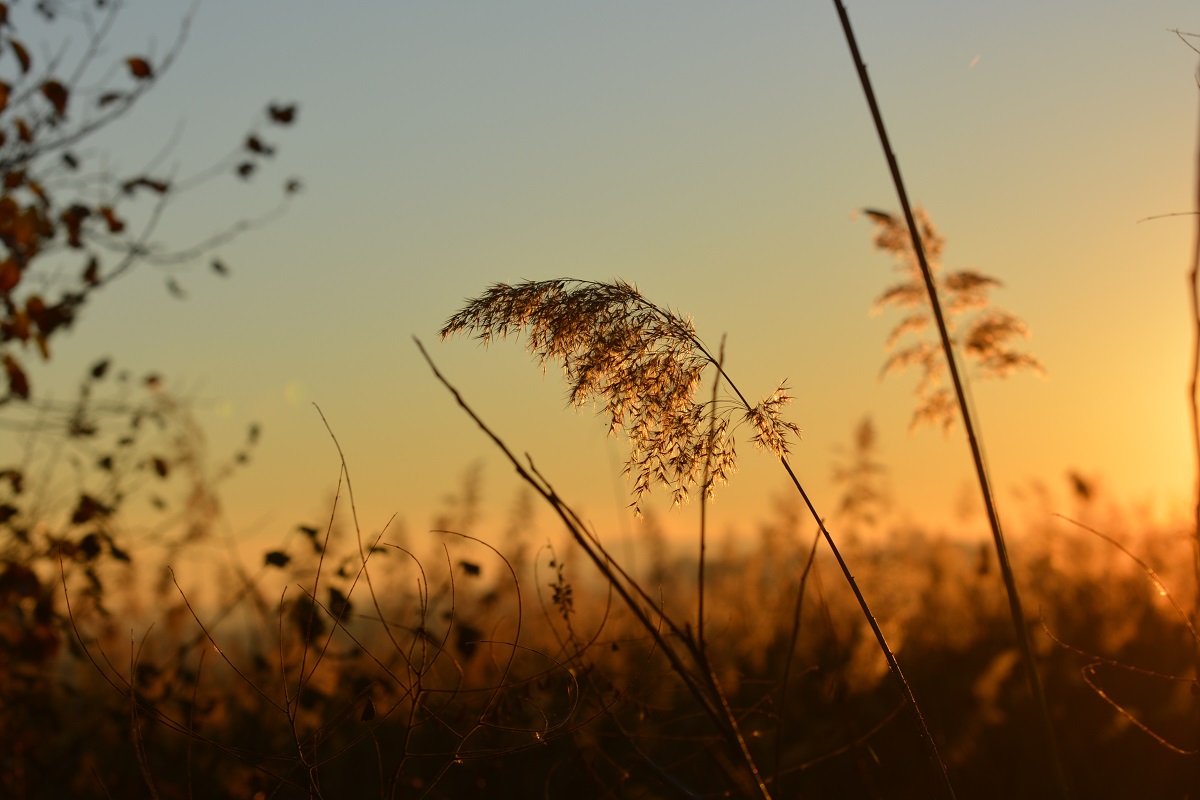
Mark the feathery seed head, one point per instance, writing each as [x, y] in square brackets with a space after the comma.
[640, 363]
[988, 332]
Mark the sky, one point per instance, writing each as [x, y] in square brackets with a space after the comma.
[714, 154]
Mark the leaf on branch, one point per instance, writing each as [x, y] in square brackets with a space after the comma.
[91, 273]
[282, 115]
[5, 90]
[23, 132]
[50, 318]
[10, 276]
[140, 68]
[69, 159]
[57, 94]
[219, 268]
[73, 218]
[100, 368]
[277, 558]
[161, 467]
[292, 186]
[108, 98]
[115, 224]
[246, 169]
[88, 509]
[22, 55]
[175, 289]
[256, 145]
[18, 384]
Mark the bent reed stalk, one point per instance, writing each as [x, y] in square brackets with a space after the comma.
[1010, 584]
[644, 363]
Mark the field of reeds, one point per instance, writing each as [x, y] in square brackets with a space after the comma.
[826, 649]
[502, 664]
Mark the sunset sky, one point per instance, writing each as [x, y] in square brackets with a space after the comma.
[716, 154]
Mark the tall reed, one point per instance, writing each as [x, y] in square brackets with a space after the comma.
[643, 363]
[1014, 600]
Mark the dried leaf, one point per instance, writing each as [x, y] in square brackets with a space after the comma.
[282, 115]
[57, 94]
[73, 219]
[277, 558]
[115, 224]
[87, 509]
[18, 383]
[22, 55]
[256, 145]
[140, 68]
[91, 273]
[10, 276]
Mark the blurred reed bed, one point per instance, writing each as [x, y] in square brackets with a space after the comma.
[462, 670]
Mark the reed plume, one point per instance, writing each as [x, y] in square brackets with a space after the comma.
[642, 364]
[983, 333]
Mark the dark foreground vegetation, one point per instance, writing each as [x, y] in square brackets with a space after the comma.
[447, 668]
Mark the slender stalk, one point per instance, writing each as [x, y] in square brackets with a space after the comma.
[1014, 601]
[893, 664]
[1194, 403]
[1193, 385]
[712, 424]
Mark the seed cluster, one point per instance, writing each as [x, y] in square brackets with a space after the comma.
[642, 364]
